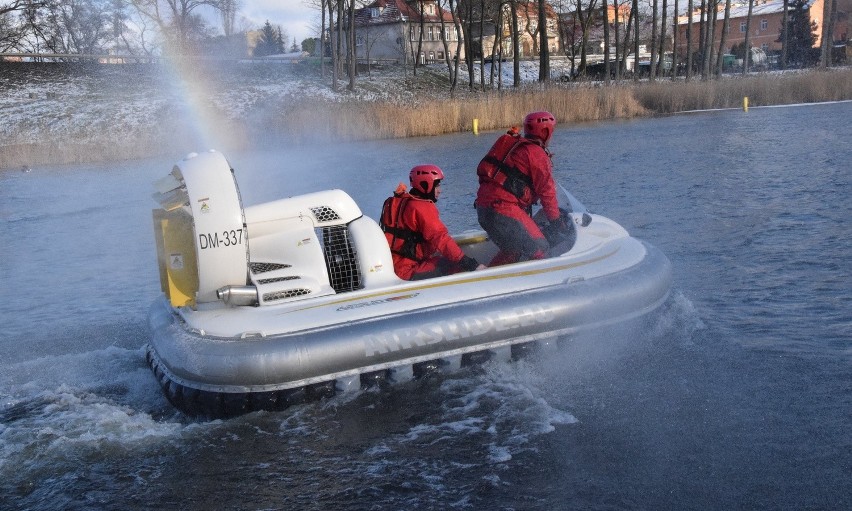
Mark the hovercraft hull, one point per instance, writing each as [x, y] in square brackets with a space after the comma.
[218, 376]
[268, 305]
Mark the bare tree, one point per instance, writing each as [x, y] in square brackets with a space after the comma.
[13, 31]
[635, 15]
[829, 16]
[586, 21]
[707, 57]
[543, 47]
[652, 71]
[452, 64]
[176, 20]
[351, 56]
[661, 69]
[228, 12]
[80, 26]
[747, 42]
[675, 35]
[417, 5]
[516, 46]
[606, 41]
[785, 31]
[724, 39]
[690, 8]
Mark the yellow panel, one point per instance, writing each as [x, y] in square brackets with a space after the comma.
[176, 256]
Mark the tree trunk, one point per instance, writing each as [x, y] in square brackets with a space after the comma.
[784, 33]
[724, 38]
[495, 51]
[625, 43]
[747, 42]
[617, 25]
[350, 53]
[419, 38]
[702, 36]
[467, 35]
[322, 38]
[636, 40]
[334, 28]
[446, 44]
[481, 46]
[661, 55]
[689, 8]
[543, 46]
[829, 15]
[711, 38]
[586, 20]
[457, 59]
[516, 48]
[606, 41]
[652, 71]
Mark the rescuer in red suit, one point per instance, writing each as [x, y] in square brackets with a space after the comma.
[515, 174]
[420, 245]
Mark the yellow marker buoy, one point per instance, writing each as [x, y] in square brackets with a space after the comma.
[476, 126]
[745, 104]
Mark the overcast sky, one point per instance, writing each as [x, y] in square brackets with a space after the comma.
[293, 16]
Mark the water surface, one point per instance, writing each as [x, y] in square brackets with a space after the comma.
[737, 396]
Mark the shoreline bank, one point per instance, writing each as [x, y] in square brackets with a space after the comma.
[62, 119]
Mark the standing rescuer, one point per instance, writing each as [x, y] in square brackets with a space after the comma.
[420, 244]
[516, 173]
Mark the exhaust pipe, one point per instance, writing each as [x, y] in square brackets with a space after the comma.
[238, 295]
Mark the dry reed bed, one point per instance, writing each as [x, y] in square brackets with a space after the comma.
[665, 97]
[361, 121]
[573, 104]
[323, 122]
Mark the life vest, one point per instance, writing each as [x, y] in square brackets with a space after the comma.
[494, 168]
[402, 240]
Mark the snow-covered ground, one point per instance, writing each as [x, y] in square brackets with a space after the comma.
[63, 105]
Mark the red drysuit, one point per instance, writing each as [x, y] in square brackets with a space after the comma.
[515, 174]
[420, 244]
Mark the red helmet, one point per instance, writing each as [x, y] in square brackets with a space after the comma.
[539, 125]
[424, 178]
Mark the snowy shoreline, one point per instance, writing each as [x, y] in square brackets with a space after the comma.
[72, 113]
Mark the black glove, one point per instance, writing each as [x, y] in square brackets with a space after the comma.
[559, 229]
[468, 263]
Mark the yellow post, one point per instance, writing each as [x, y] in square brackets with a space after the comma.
[476, 126]
[745, 104]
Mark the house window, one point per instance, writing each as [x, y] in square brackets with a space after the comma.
[431, 56]
[742, 27]
[440, 55]
[374, 12]
[764, 47]
[764, 24]
[359, 40]
[431, 33]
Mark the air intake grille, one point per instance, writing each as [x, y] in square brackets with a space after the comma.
[289, 293]
[278, 279]
[340, 259]
[325, 214]
[265, 267]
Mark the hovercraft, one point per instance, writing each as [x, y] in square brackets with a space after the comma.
[273, 304]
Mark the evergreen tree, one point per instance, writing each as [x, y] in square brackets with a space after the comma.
[269, 42]
[801, 34]
[279, 42]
